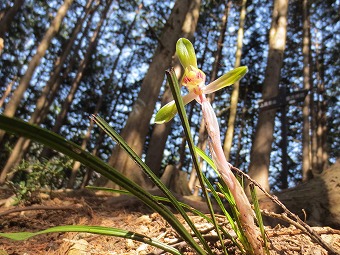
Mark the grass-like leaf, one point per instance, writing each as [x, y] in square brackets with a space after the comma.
[259, 216]
[20, 236]
[75, 152]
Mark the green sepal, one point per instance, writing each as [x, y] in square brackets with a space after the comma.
[226, 80]
[166, 113]
[186, 53]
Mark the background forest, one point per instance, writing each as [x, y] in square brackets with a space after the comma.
[62, 61]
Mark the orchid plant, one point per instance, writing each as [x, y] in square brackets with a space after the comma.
[194, 80]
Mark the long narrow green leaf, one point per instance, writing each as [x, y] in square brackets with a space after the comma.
[175, 89]
[206, 158]
[74, 151]
[186, 206]
[20, 236]
[240, 232]
[114, 135]
[259, 216]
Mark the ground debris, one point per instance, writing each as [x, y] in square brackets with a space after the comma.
[283, 240]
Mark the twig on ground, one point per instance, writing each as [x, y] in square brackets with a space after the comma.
[298, 222]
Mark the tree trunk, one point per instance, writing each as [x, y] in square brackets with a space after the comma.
[7, 91]
[235, 93]
[137, 125]
[13, 104]
[262, 144]
[316, 200]
[159, 135]
[322, 152]
[44, 101]
[307, 84]
[6, 19]
[240, 134]
[176, 180]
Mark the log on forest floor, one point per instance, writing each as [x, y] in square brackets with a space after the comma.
[315, 201]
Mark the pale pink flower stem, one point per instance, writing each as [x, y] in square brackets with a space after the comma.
[222, 165]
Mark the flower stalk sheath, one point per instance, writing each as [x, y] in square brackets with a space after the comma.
[222, 165]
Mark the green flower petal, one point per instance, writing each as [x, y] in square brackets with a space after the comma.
[226, 80]
[168, 111]
[186, 53]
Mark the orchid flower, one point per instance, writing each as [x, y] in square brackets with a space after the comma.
[194, 80]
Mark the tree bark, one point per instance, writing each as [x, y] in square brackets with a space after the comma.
[307, 84]
[159, 136]
[13, 104]
[6, 19]
[137, 125]
[262, 144]
[322, 152]
[235, 93]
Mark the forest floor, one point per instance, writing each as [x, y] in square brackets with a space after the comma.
[70, 208]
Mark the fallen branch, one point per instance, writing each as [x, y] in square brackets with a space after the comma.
[41, 207]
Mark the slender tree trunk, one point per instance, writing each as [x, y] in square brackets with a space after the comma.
[307, 84]
[89, 171]
[235, 93]
[7, 91]
[137, 125]
[59, 62]
[322, 152]
[262, 144]
[44, 101]
[55, 80]
[240, 134]
[6, 19]
[13, 104]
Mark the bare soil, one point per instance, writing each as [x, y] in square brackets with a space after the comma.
[85, 208]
